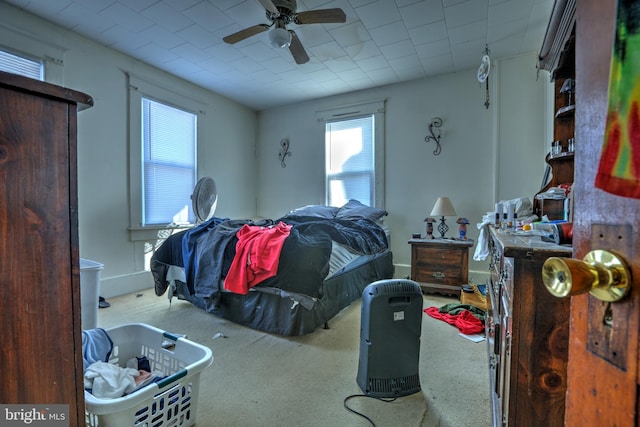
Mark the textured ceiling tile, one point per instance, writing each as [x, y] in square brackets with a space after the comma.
[155, 54]
[351, 34]
[420, 13]
[82, 20]
[328, 51]
[437, 48]
[198, 36]
[469, 32]
[341, 65]
[398, 50]
[363, 51]
[378, 13]
[161, 36]
[389, 33]
[124, 40]
[428, 33]
[208, 16]
[125, 17]
[373, 63]
[247, 13]
[167, 17]
[185, 37]
[465, 13]
[438, 64]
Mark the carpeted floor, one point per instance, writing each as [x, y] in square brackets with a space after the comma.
[258, 379]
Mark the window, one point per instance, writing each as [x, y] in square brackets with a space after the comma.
[43, 53]
[17, 64]
[350, 161]
[169, 140]
[354, 160]
[164, 129]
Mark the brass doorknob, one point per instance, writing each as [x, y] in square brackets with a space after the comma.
[603, 274]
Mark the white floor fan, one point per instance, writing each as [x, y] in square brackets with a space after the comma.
[204, 199]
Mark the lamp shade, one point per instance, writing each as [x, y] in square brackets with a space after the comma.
[443, 207]
[280, 37]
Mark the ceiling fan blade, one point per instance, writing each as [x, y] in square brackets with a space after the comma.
[268, 4]
[297, 50]
[246, 33]
[321, 16]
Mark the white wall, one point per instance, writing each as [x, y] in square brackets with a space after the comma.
[103, 186]
[487, 154]
[525, 128]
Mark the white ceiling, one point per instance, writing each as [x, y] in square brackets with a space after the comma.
[382, 41]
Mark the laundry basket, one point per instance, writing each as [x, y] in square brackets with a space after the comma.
[172, 401]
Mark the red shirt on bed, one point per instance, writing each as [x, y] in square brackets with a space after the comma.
[257, 255]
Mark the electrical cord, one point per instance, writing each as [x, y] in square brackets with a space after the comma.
[346, 399]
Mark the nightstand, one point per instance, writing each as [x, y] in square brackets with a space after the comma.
[440, 265]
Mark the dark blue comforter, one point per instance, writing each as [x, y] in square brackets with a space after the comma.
[206, 253]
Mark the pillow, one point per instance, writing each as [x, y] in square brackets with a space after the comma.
[318, 211]
[354, 209]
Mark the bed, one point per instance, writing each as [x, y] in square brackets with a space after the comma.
[318, 260]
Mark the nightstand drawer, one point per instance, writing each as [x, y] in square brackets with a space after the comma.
[438, 257]
[440, 275]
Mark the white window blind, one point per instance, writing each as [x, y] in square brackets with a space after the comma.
[350, 162]
[20, 65]
[169, 157]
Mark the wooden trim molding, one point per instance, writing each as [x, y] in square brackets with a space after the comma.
[559, 32]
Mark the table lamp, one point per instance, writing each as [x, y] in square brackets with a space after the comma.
[442, 208]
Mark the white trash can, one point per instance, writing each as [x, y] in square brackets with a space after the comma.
[89, 292]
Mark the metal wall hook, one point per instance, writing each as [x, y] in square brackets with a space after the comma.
[434, 129]
[284, 152]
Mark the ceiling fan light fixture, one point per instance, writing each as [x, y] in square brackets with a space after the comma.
[279, 37]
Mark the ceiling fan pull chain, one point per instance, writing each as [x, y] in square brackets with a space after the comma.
[486, 102]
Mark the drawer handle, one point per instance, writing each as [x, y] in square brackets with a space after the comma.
[438, 275]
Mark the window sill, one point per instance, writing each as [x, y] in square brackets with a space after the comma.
[157, 232]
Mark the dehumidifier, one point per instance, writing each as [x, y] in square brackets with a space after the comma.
[390, 328]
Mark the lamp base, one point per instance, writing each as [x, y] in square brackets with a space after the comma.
[442, 227]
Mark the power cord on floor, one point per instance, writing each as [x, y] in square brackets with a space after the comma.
[346, 399]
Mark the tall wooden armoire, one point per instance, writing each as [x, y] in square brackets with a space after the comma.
[41, 351]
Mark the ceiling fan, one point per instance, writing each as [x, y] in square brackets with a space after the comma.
[281, 13]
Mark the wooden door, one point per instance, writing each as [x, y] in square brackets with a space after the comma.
[603, 345]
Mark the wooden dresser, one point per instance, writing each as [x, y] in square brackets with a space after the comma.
[440, 265]
[527, 333]
[39, 260]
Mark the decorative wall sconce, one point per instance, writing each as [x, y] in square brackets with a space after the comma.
[284, 152]
[434, 130]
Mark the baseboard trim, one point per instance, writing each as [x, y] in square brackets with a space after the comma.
[124, 284]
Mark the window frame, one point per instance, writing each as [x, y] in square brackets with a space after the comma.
[354, 111]
[137, 89]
